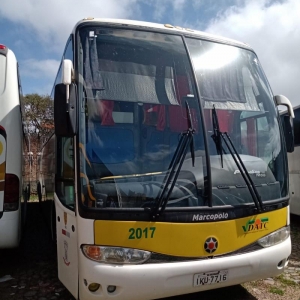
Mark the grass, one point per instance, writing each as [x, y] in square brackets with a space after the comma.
[275, 290]
[286, 281]
[33, 198]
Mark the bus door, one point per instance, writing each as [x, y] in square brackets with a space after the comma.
[66, 226]
[2, 167]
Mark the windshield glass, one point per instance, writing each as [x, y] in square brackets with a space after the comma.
[233, 86]
[138, 99]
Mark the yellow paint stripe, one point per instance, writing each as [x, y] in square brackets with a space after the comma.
[187, 239]
[2, 171]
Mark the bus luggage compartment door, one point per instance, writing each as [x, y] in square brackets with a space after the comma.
[67, 252]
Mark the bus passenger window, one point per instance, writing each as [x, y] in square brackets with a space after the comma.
[65, 172]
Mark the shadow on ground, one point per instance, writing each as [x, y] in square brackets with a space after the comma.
[33, 267]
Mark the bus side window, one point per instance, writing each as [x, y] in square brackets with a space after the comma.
[297, 127]
[65, 172]
[255, 138]
[249, 136]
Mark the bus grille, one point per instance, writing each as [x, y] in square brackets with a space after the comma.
[162, 258]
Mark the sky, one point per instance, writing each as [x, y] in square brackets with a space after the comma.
[37, 31]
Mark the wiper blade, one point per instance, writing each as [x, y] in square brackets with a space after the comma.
[192, 145]
[187, 139]
[244, 172]
[217, 134]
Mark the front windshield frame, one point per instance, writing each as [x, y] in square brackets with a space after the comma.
[197, 102]
[142, 213]
[257, 106]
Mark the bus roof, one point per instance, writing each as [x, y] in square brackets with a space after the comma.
[165, 27]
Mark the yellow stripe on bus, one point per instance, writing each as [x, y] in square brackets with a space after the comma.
[188, 239]
[2, 171]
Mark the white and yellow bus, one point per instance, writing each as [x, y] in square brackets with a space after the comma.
[12, 138]
[171, 163]
[294, 164]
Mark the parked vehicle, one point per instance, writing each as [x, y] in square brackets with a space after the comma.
[171, 167]
[13, 143]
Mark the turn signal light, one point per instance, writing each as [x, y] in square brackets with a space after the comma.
[115, 255]
[275, 237]
[93, 287]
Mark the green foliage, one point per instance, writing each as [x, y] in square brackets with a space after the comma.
[286, 281]
[39, 115]
[276, 290]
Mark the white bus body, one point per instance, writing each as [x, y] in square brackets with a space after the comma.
[11, 151]
[294, 166]
[171, 171]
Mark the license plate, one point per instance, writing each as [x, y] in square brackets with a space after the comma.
[210, 277]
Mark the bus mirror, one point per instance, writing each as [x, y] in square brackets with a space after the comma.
[67, 72]
[288, 133]
[282, 100]
[73, 108]
[65, 113]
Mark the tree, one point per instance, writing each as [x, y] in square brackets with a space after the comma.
[39, 116]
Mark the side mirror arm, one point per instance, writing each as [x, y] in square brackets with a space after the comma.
[282, 100]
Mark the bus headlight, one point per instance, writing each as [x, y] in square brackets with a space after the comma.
[275, 237]
[115, 255]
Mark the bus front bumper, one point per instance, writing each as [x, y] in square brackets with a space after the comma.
[152, 281]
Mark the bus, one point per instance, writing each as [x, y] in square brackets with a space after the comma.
[169, 163]
[13, 187]
[294, 165]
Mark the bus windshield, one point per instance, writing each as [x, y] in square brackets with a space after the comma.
[138, 102]
[137, 87]
[232, 86]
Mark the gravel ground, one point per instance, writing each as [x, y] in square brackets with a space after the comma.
[34, 271]
[287, 285]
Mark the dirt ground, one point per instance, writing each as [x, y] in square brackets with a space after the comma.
[34, 271]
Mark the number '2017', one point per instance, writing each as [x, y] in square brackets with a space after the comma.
[138, 233]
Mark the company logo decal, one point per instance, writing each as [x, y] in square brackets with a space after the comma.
[212, 217]
[211, 245]
[255, 172]
[65, 218]
[65, 258]
[256, 225]
[66, 233]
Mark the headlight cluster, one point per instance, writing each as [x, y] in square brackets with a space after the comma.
[115, 255]
[275, 237]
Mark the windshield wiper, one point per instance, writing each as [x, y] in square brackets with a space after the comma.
[187, 139]
[238, 161]
[217, 134]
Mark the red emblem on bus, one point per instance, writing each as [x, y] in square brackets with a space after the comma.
[211, 245]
